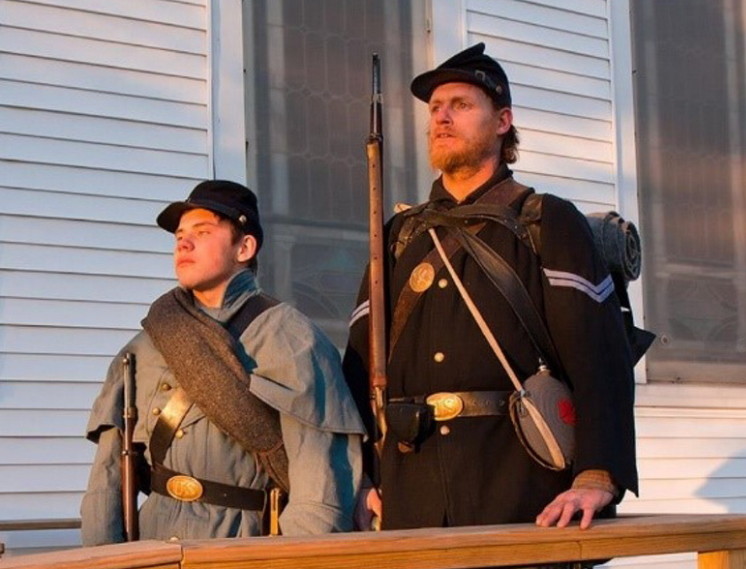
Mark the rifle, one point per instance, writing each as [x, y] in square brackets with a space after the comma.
[129, 453]
[377, 317]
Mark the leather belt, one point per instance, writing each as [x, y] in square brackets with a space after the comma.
[189, 489]
[449, 405]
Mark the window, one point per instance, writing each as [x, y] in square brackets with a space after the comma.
[690, 90]
[308, 85]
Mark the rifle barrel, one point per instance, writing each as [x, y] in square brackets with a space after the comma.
[377, 318]
[129, 453]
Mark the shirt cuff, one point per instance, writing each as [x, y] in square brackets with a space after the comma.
[595, 480]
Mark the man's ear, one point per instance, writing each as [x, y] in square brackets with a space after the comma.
[504, 120]
[247, 249]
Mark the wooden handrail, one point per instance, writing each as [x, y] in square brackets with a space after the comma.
[40, 524]
[718, 539]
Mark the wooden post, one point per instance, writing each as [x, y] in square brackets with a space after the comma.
[733, 559]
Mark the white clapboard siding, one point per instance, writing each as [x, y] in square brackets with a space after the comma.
[52, 340]
[589, 196]
[690, 460]
[28, 506]
[90, 129]
[65, 478]
[53, 368]
[91, 261]
[73, 181]
[186, 13]
[46, 450]
[43, 423]
[83, 76]
[36, 506]
[68, 395]
[105, 117]
[78, 287]
[97, 103]
[567, 125]
[24, 148]
[558, 59]
[135, 231]
[113, 27]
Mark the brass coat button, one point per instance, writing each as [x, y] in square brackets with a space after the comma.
[165, 387]
[443, 283]
[445, 430]
[439, 357]
[156, 411]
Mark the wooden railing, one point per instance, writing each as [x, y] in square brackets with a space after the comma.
[41, 524]
[718, 540]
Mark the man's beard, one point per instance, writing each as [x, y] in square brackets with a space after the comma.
[471, 156]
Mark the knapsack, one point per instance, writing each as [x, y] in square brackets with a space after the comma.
[618, 243]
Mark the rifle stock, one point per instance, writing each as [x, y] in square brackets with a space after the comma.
[129, 453]
[377, 318]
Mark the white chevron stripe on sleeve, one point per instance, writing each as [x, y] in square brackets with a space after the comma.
[360, 312]
[599, 292]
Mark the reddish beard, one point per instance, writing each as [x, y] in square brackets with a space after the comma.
[470, 155]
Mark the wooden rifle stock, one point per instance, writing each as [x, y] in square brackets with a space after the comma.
[129, 453]
[377, 317]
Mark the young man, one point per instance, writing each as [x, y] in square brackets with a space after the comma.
[232, 389]
[471, 469]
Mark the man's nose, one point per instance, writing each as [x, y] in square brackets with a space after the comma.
[184, 244]
[442, 115]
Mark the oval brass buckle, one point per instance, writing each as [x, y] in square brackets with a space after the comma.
[447, 405]
[184, 488]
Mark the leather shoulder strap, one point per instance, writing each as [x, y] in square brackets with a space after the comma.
[530, 217]
[249, 312]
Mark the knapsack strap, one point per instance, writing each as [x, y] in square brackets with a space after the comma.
[251, 309]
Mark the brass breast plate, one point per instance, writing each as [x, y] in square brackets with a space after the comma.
[422, 277]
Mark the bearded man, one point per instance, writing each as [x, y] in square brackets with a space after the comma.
[469, 467]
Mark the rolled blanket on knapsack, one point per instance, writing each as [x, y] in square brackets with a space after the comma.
[619, 243]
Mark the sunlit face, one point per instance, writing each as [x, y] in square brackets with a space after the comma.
[205, 256]
[465, 129]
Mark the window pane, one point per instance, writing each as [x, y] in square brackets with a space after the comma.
[309, 87]
[691, 120]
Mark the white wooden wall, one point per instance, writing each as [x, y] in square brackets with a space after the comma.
[570, 71]
[104, 117]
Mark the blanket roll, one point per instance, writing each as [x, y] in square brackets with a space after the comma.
[618, 242]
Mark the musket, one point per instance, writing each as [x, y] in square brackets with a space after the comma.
[377, 317]
[129, 453]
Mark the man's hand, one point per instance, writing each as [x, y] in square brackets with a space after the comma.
[368, 509]
[564, 506]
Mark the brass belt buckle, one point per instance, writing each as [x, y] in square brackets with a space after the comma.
[184, 488]
[447, 405]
